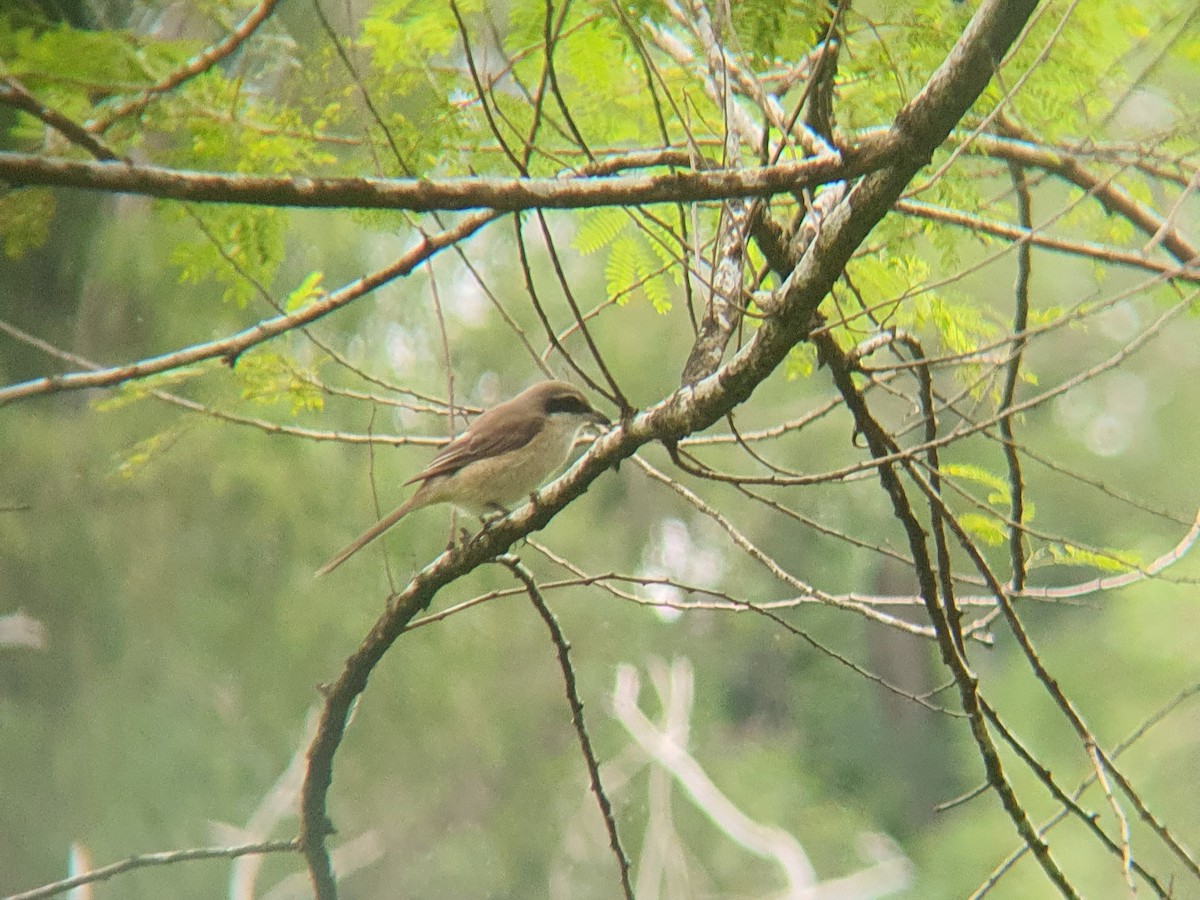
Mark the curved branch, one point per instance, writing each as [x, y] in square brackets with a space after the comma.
[919, 129]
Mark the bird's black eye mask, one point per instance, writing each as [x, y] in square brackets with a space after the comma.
[566, 404]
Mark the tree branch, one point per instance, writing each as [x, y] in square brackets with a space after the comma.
[1088, 249]
[197, 65]
[562, 647]
[428, 194]
[14, 94]
[919, 129]
[143, 860]
[230, 348]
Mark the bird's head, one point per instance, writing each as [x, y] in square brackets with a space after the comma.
[559, 400]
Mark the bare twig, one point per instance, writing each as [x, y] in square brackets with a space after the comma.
[231, 347]
[1016, 483]
[144, 860]
[781, 574]
[1115, 805]
[197, 65]
[1152, 720]
[585, 744]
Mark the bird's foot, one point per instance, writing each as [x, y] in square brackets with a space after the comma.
[493, 516]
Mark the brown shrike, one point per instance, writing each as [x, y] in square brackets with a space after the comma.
[504, 456]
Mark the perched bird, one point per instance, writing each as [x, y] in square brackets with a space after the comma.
[505, 455]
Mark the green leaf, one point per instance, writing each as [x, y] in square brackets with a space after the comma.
[308, 289]
[132, 392]
[801, 362]
[961, 327]
[631, 265]
[267, 377]
[986, 528]
[130, 463]
[240, 248]
[91, 57]
[997, 486]
[1106, 561]
[599, 228]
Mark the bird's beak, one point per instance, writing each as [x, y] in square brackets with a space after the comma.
[598, 418]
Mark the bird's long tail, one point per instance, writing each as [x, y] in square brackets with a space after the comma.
[370, 534]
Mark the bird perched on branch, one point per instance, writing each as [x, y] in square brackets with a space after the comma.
[503, 457]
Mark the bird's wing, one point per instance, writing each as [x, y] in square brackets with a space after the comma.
[481, 442]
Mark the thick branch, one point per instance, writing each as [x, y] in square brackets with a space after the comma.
[426, 194]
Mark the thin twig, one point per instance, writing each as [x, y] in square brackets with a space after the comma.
[1069, 803]
[197, 65]
[561, 646]
[1016, 483]
[1156, 717]
[143, 860]
[229, 348]
[1114, 804]
[772, 566]
[1051, 685]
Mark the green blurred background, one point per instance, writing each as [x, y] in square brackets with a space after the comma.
[168, 557]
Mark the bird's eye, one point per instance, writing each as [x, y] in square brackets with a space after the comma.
[566, 403]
